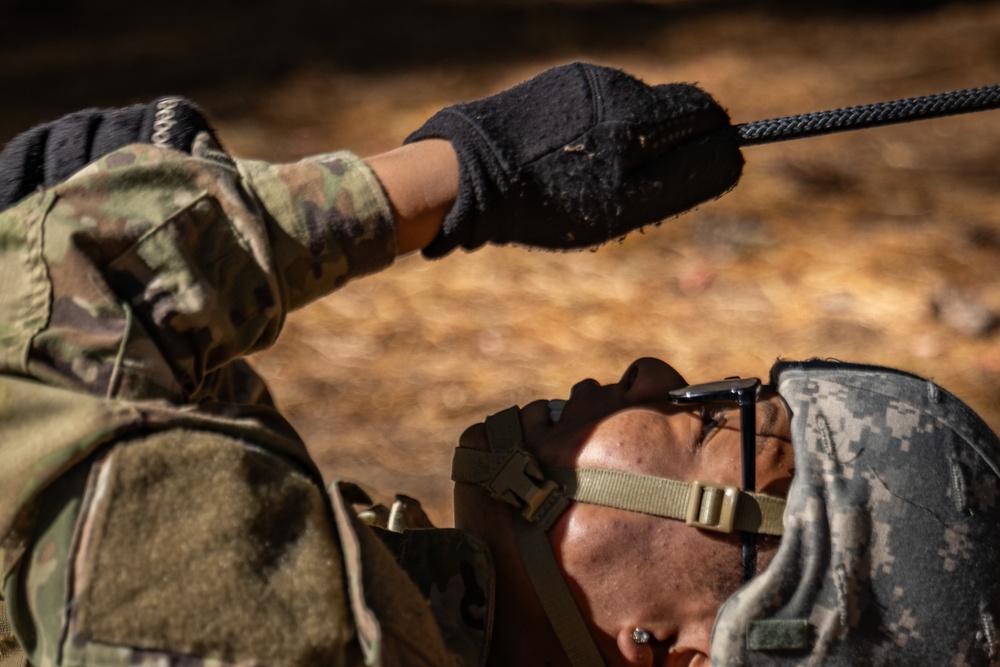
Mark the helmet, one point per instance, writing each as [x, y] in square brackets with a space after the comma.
[892, 529]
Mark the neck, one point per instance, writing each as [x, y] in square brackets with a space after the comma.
[522, 634]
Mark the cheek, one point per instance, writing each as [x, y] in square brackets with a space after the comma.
[605, 555]
[621, 565]
[642, 440]
[721, 464]
[709, 568]
[719, 460]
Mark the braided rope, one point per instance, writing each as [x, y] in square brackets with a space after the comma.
[868, 115]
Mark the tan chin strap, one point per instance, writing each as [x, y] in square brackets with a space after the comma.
[704, 505]
[513, 476]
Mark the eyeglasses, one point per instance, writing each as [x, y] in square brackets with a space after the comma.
[743, 392]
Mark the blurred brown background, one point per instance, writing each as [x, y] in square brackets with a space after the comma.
[880, 246]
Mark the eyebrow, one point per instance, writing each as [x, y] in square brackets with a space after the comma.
[769, 412]
[767, 415]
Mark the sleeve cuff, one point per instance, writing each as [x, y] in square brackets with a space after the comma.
[332, 221]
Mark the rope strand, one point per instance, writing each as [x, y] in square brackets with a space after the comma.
[867, 115]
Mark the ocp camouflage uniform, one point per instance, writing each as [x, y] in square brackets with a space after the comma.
[892, 530]
[189, 525]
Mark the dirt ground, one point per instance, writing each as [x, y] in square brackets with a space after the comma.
[880, 246]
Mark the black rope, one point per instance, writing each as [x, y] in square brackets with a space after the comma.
[868, 115]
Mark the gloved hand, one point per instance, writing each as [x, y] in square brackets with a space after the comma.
[52, 152]
[579, 155]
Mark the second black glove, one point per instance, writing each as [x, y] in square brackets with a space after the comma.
[52, 152]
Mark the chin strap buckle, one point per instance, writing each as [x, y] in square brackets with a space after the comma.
[519, 481]
[712, 506]
[511, 473]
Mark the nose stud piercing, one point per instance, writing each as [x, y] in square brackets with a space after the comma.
[555, 410]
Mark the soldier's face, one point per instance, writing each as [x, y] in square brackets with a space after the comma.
[630, 570]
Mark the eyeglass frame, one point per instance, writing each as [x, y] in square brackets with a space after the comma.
[744, 392]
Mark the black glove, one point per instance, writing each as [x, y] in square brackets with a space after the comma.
[52, 152]
[579, 155]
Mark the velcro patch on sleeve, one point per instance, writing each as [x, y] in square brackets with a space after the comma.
[197, 543]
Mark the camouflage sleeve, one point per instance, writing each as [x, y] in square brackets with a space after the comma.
[162, 268]
[332, 221]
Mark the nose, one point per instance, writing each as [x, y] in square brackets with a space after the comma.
[648, 380]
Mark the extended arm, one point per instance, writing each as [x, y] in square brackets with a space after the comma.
[421, 182]
[186, 260]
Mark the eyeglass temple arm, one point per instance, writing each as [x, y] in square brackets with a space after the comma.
[748, 416]
[744, 393]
